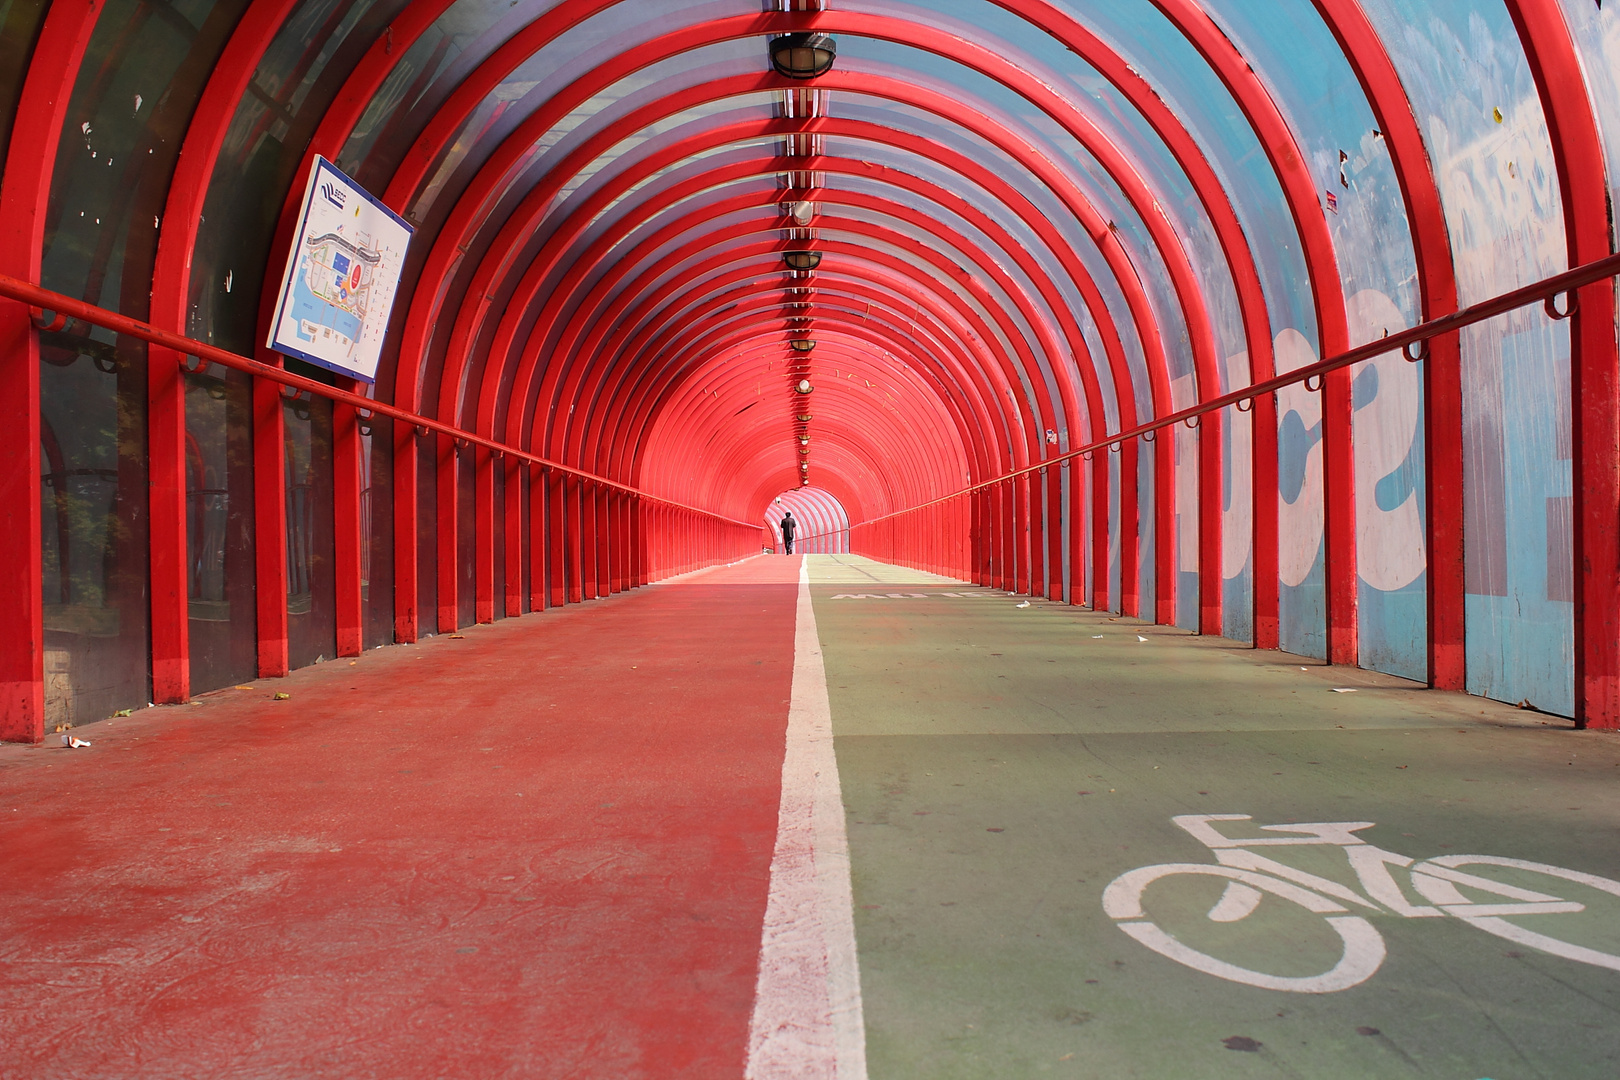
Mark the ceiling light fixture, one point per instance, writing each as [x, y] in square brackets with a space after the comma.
[803, 56]
[802, 260]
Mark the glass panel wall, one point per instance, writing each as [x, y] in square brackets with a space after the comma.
[140, 79]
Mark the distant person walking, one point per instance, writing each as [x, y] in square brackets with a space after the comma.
[789, 529]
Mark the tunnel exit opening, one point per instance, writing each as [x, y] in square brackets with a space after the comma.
[823, 524]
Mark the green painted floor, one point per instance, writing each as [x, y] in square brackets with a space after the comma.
[1001, 765]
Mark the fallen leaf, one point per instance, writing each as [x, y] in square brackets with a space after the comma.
[244, 686]
[124, 712]
[283, 697]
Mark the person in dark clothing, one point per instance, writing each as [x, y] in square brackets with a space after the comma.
[789, 528]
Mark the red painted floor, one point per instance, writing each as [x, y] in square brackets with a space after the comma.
[541, 850]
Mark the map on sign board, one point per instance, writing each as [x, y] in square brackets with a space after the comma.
[342, 272]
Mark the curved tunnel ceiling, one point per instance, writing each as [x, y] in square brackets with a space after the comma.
[1039, 222]
[1035, 225]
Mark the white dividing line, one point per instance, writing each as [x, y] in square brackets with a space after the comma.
[807, 1021]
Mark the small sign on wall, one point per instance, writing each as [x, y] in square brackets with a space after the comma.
[342, 273]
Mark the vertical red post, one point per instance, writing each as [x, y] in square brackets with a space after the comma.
[1074, 512]
[1211, 501]
[1339, 516]
[1054, 531]
[25, 189]
[1026, 534]
[22, 615]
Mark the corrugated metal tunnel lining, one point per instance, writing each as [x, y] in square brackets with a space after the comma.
[1038, 225]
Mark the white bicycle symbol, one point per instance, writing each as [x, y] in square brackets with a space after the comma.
[1250, 877]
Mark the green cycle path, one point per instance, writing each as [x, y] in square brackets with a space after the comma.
[1001, 764]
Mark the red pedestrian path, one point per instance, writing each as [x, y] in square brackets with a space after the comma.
[539, 850]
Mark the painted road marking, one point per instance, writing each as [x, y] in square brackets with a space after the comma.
[1249, 874]
[807, 1019]
[915, 596]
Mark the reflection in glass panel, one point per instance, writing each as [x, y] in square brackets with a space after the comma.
[458, 41]
[219, 528]
[92, 490]
[20, 22]
[137, 88]
[377, 532]
[311, 558]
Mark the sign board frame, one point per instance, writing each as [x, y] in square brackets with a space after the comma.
[337, 218]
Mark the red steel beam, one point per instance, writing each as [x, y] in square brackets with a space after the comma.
[25, 191]
[1583, 185]
[166, 400]
[1288, 160]
[1437, 292]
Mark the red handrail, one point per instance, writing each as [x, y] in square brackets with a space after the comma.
[43, 300]
[1545, 290]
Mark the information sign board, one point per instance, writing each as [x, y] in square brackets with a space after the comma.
[342, 273]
